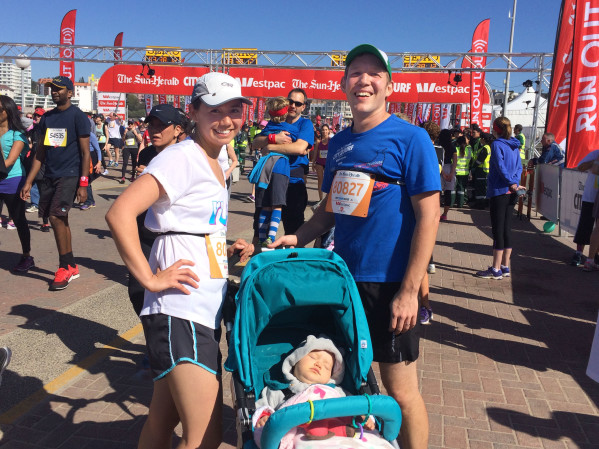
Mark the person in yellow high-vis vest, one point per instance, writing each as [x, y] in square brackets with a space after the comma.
[464, 156]
[481, 170]
[518, 135]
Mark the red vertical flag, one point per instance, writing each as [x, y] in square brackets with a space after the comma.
[67, 37]
[118, 42]
[261, 106]
[436, 115]
[161, 99]
[177, 101]
[480, 44]
[252, 109]
[574, 99]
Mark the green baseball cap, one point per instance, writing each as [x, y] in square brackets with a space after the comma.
[367, 48]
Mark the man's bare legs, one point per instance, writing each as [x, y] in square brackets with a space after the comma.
[401, 382]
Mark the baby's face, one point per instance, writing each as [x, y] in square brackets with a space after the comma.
[315, 368]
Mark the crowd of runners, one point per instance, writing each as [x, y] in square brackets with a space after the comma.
[398, 179]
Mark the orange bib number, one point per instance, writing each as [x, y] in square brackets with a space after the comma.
[350, 193]
[216, 245]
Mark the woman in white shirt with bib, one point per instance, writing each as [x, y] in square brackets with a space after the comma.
[184, 190]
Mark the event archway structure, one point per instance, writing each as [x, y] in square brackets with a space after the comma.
[436, 77]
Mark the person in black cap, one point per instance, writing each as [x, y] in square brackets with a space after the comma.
[64, 148]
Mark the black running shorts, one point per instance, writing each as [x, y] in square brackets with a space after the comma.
[171, 341]
[387, 347]
[57, 196]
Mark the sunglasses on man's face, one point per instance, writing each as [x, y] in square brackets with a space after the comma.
[297, 104]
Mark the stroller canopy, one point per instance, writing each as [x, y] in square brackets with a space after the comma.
[286, 295]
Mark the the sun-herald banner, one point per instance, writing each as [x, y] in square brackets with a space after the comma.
[67, 37]
[480, 44]
[574, 98]
[424, 87]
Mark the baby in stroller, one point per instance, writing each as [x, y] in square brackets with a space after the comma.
[314, 371]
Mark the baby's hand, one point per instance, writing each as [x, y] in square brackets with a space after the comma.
[369, 424]
[262, 421]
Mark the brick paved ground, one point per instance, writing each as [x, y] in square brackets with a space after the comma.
[502, 365]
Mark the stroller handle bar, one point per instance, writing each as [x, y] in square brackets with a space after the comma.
[385, 408]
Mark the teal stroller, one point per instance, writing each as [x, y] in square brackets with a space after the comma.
[283, 297]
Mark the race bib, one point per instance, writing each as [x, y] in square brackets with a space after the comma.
[56, 137]
[102, 139]
[323, 154]
[129, 142]
[216, 245]
[350, 193]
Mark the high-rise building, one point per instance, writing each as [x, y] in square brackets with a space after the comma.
[10, 76]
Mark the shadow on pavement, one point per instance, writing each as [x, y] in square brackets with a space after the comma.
[549, 331]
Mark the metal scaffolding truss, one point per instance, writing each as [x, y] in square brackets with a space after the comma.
[495, 62]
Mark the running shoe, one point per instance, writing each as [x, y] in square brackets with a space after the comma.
[122, 181]
[32, 209]
[252, 198]
[24, 264]
[45, 228]
[5, 354]
[84, 206]
[576, 260]
[11, 225]
[505, 271]
[443, 217]
[116, 164]
[590, 265]
[426, 315]
[489, 273]
[431, 268]
[105, 172]
[63, 278]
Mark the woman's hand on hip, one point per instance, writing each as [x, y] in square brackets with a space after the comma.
[174, 277]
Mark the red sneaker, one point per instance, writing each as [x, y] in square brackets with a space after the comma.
[63, 277]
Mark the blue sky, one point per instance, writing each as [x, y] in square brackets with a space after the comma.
[307, 25]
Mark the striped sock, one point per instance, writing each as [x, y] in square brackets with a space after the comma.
[263, 225]
[275, 219]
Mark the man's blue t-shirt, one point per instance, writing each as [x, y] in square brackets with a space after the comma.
[376, 248]
[60, 131]
[305, 131]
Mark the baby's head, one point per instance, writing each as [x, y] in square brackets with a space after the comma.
[315, 368]
[277, 109]
[316, 361]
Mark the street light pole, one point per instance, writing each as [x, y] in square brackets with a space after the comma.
[22, 64]
[509, 63]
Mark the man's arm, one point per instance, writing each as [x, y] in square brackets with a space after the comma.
[84, 150]
[404, 307]
[40, 157]
[319, 223]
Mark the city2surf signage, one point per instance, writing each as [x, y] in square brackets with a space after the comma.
[255, 82]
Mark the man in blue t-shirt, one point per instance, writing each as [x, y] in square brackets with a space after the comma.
[297, 194]
[382, 183]
[63, 147]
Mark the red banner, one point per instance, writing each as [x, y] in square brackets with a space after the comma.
[261, 106]
[252, 109]
[480, 44]
[177, 101]
[67, 37]
[411, 108]
[118, 42]
[149, 100]
[436, 116]
[318, 84]
[161, 99]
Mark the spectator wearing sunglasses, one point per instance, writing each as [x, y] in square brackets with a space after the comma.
[297, 151]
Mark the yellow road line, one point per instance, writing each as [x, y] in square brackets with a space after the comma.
[53, 386]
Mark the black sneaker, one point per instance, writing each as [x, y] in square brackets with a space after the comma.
[5, 355]
[576, 260]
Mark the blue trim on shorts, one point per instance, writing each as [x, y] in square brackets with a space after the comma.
[170, 346]
[184, 359]
[195, 344]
